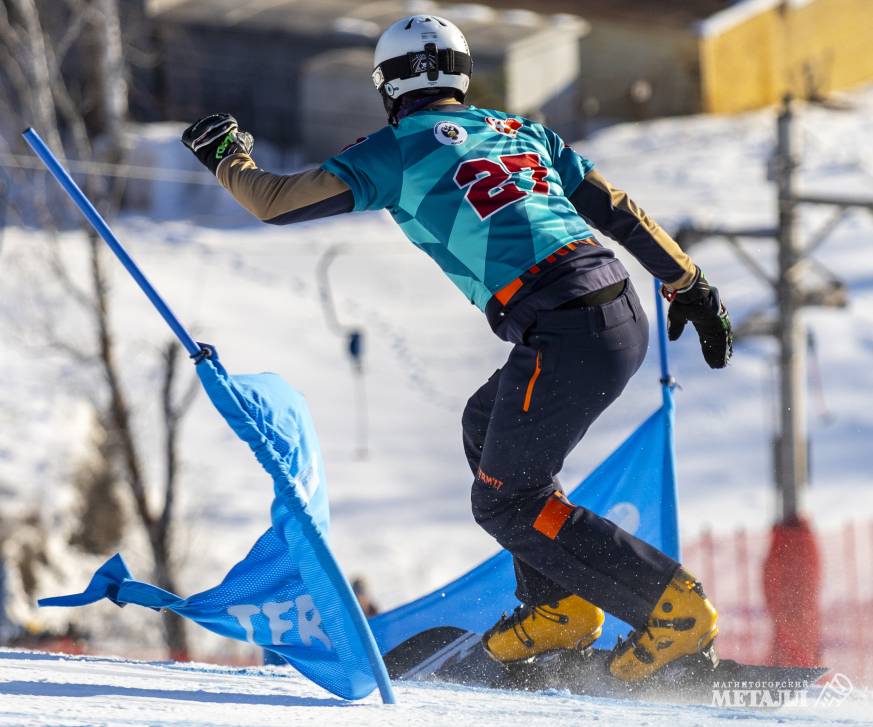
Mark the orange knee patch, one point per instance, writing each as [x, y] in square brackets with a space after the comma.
[552, 517]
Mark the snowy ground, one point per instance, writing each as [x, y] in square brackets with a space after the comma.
[43, 689]
[401, 516]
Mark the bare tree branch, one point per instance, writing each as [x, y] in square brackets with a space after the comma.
[173, 412]
[113, 83]
[69, 110]
[171, 422]
[62, 275]
[13, 70]
[9, 35]
[119, 410]
[81, 15]
[42, 105]
[188, 397]
[71, 351]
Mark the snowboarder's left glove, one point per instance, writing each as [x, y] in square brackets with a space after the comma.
[214, 138]
[701, 304]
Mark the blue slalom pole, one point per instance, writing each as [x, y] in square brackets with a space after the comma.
[99, 224]
[667, 381]
[671, 542]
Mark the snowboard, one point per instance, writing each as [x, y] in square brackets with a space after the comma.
[453, 655]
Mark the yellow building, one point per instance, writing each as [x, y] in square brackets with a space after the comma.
[647, 58]
[755, 51]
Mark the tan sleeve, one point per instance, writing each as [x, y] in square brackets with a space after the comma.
[283, 198]
[613, 212]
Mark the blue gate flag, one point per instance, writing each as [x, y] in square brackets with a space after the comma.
[288, 595]
[635, 487]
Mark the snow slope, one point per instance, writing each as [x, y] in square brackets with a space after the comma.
[401, 516]
[44, 689]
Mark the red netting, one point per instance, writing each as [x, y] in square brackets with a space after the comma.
[731, 568]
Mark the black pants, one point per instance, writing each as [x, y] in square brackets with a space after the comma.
[518, 429]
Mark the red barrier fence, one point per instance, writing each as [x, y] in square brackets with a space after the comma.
[732, 570]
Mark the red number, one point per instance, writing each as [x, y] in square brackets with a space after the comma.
[489, 188]
[489, 185]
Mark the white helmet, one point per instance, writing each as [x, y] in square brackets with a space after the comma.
[420, 52]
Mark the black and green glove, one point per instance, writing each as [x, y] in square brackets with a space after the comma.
[701, 304]
[214, 138]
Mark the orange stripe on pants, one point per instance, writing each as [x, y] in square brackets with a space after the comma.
[528, 395]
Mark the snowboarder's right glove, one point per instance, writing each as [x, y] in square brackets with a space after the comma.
[700, 303]
[214, 138]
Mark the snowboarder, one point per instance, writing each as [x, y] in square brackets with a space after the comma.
[506, 209]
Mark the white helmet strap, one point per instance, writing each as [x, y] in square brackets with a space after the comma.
[430, 60]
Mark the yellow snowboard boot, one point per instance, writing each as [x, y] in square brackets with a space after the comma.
[683, 623]
[571, 623]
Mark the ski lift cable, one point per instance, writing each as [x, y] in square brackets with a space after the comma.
[106, 169]
[184, 176]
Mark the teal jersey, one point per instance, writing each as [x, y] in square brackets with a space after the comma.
[483, 193]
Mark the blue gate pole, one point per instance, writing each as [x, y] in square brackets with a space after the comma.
[668, 383]
[99, 224]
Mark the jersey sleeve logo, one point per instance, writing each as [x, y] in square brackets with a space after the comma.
[507, 127]
[449, 133]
